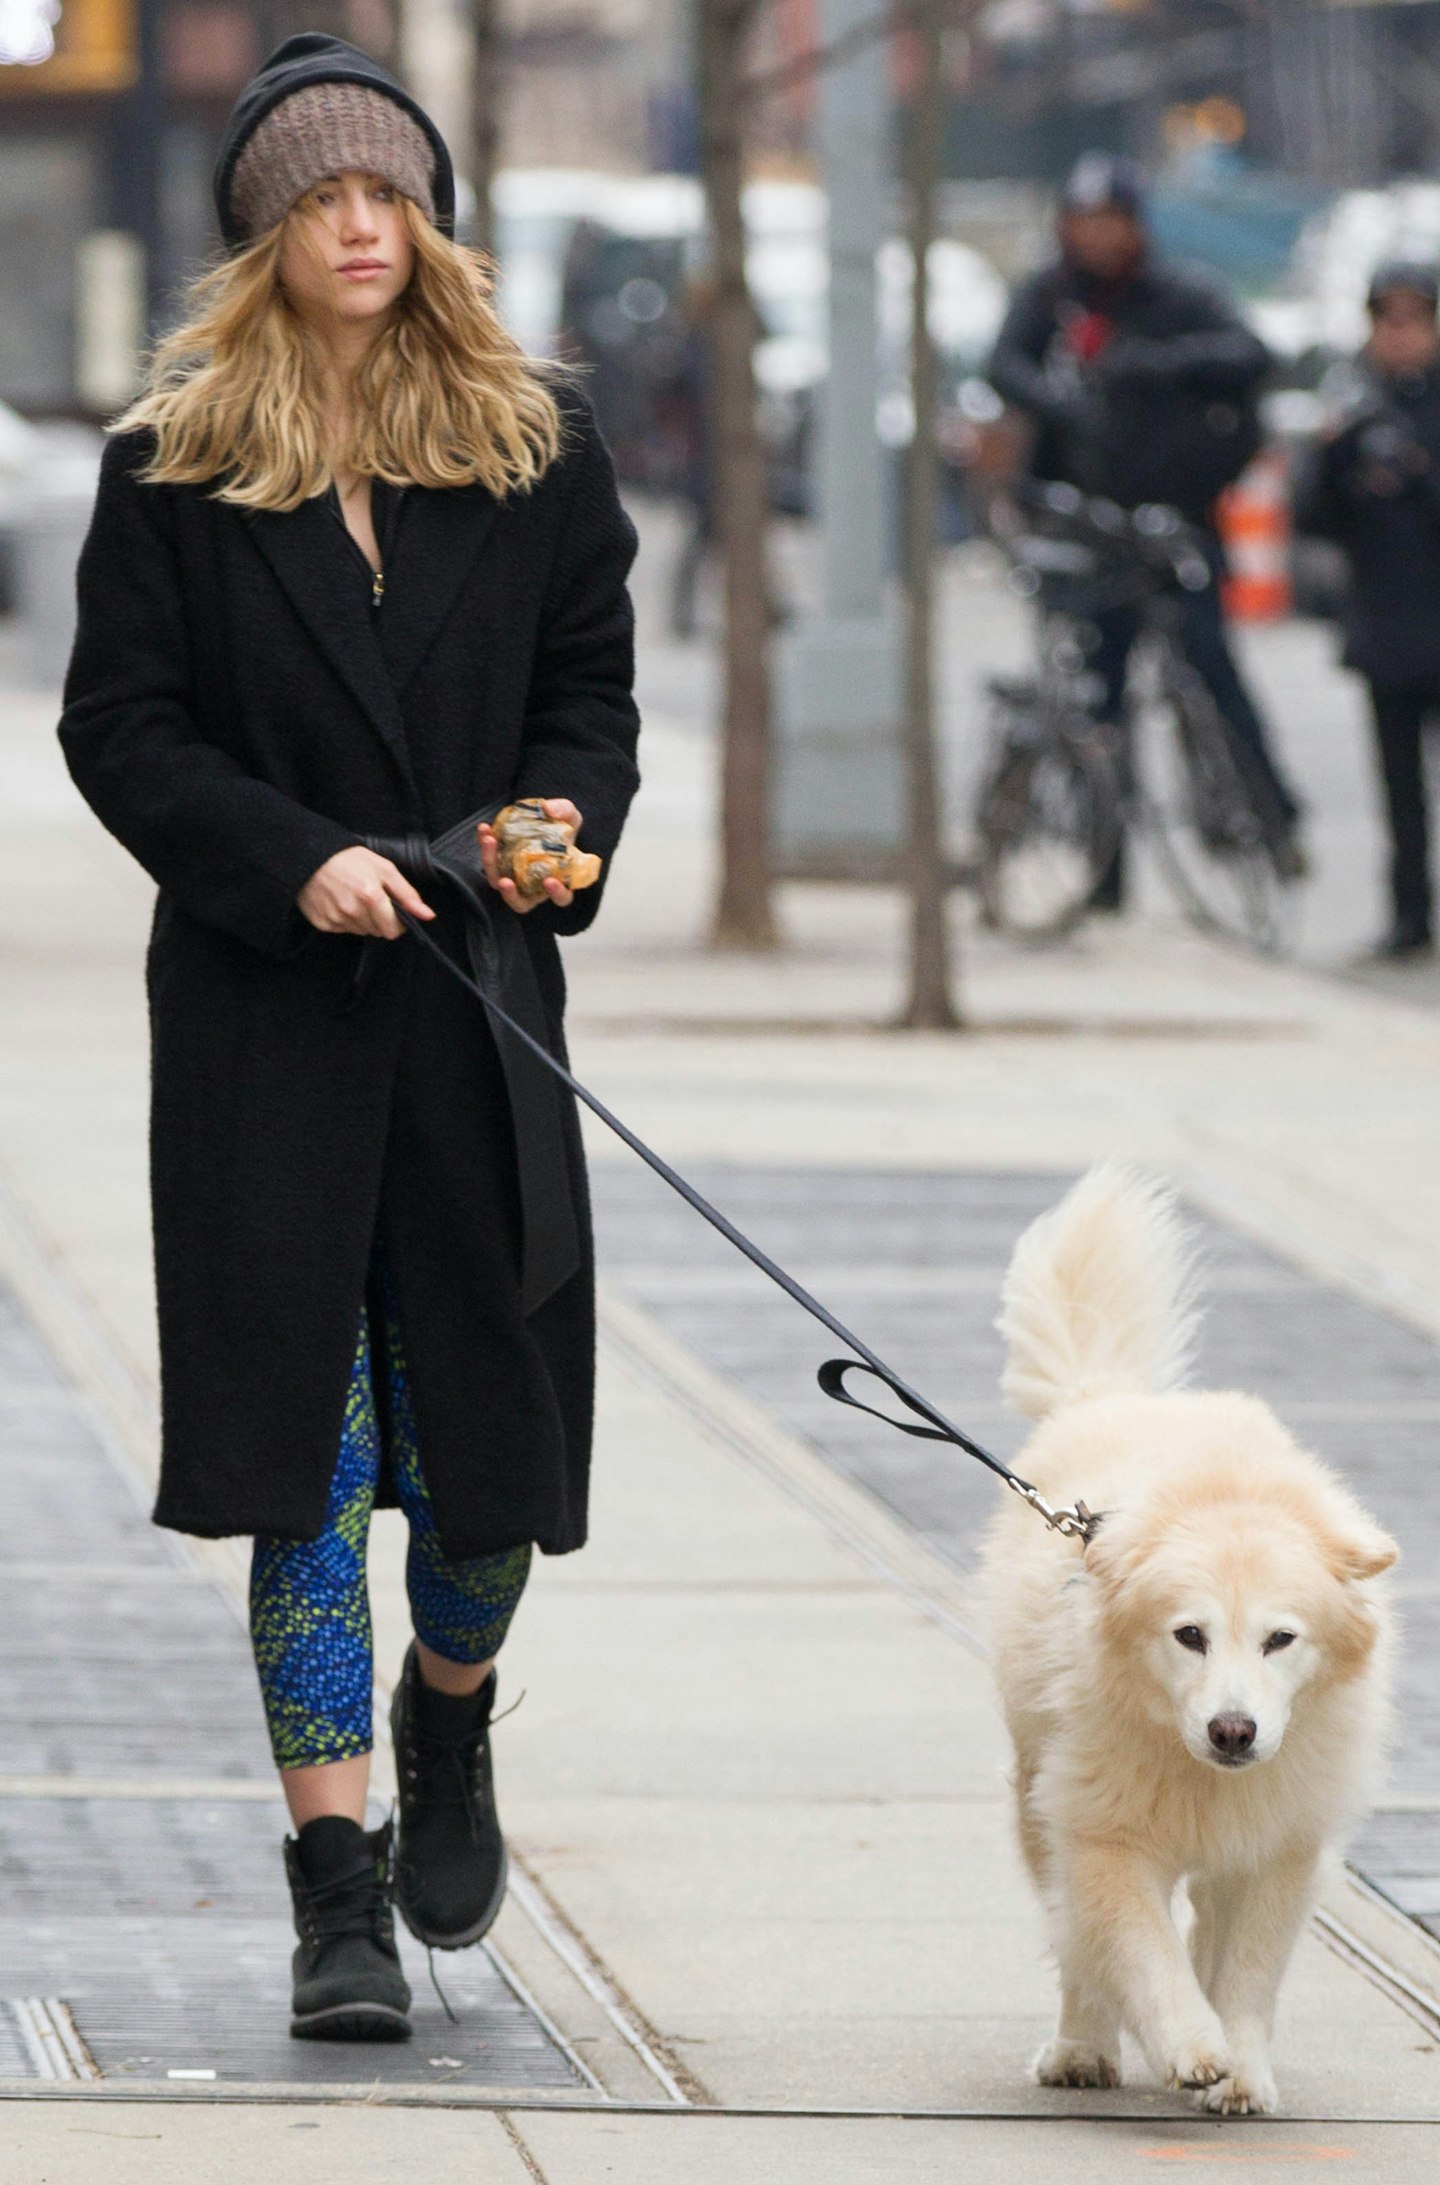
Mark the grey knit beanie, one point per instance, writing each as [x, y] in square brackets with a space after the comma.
[323, 130]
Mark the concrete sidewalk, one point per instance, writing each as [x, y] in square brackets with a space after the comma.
[756, 1783]
[175, 2144]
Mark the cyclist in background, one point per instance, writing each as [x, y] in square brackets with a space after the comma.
[1142, 385]
[1374, 487]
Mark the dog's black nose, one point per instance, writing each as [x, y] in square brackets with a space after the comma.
[1232, 1735]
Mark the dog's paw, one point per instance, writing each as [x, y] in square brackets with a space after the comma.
[1200, 2064]
[1248, 2091]
[1074, 2063]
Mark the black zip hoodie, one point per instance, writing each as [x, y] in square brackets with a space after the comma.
[313, 57]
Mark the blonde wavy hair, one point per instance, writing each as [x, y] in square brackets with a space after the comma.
[444, 397]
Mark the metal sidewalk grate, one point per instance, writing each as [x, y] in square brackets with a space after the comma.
[188, 1999]
[146, 1938]
[39, 2040]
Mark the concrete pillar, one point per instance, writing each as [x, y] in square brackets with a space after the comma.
[838, 776]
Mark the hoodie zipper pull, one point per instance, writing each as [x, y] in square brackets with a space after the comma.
[377, 587]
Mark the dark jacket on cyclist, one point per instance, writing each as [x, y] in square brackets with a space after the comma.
[1142, 388]
[1375, 489]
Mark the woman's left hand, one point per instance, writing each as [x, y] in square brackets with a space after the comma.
[557, 808]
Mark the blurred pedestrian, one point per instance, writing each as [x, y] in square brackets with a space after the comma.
[1373, 486]
[1141, 384]
[356, 572]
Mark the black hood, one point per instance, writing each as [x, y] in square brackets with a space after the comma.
[314, 57]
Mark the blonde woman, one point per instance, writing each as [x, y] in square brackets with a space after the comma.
[356, 573]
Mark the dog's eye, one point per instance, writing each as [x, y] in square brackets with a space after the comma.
[1276, 1640]
[1192, 1636]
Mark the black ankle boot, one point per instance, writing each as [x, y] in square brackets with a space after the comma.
[348, 1982]
[450, 1869]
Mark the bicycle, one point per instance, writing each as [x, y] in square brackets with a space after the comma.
[1060, 788]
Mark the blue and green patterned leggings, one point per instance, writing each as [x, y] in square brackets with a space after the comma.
[309, 1602]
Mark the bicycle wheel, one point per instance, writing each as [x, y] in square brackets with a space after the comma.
[1205, 817]
[1048, 823]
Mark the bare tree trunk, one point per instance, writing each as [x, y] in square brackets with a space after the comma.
[744, 910]
[485, 96]
[928, 1005]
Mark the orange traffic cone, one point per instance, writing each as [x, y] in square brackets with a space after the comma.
[1254, 520]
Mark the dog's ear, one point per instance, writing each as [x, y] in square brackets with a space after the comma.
[1360, 1551]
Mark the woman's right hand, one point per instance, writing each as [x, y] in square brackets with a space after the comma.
[356, 891]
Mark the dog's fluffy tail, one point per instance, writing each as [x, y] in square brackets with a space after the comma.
[1099, 1296]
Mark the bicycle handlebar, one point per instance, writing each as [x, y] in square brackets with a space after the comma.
[1080, 535]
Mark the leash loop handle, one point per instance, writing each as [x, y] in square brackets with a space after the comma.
[831, 1377]
[1077, 1524]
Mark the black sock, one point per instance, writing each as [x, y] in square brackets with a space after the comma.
[331, 1845]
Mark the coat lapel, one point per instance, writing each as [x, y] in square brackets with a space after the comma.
[440, 536]
[312, 563]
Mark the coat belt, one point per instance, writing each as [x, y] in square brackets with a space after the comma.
[502, 968]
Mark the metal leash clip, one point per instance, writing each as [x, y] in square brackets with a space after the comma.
[1081, 1523]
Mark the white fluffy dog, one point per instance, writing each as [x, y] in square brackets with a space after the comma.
[1199, 1698]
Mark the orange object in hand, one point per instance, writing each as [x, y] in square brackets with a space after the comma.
[534, 848]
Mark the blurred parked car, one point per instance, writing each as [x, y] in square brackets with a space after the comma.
[48, 474]
[19, 447]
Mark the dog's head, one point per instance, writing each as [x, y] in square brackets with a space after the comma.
[1229, 1605]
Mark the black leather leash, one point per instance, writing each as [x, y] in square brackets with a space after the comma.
[1078, 1523]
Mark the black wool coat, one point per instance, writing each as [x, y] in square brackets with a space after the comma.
[236, 713]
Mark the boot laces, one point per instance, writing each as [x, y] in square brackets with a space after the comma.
[446, 1771]
[451, 2014]
[350, 1904]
